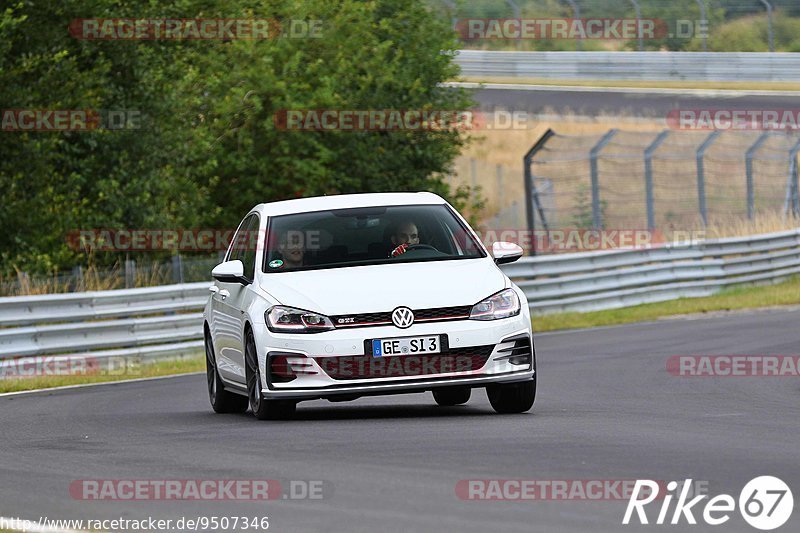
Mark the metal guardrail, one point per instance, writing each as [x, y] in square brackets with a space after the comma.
[144, 323]
[646, 66]
[607, 280]
[73, 307]
[102, 327]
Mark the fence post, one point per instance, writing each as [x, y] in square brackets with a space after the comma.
[638, 23]
[748, 163]
[792, 196]
[177, 268]
[796, 195]
[130, 273]
[576, 12]
[530, 190]
[704, 19]
[500, 185]
[473, 173]
[77, 281]
[701, 175]
[597, 214]
[452, 7]
[517, 15]
[770, 29]
[648, 176]
[23, 282]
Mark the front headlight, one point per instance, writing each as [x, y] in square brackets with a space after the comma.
[501, 305]
[281, 319]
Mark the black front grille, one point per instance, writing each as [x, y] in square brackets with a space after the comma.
[436, 314]
[368, 367]
[519, 354]
[442, 313]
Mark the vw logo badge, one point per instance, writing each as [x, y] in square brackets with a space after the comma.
[402, 317]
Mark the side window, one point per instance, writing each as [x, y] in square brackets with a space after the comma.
[240, 241]
[244, 245]
[251, 243]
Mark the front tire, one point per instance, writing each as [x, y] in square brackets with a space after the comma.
[222, 401]
[512, 397]
[450, 396]
[262, 408]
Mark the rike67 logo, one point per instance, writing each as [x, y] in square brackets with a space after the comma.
[766, 503]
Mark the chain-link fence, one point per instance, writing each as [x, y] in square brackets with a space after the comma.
[658, 180]
[127, 274]
[668, 180]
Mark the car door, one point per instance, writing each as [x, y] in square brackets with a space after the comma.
[229, 301]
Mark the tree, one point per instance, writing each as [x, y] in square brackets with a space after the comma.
[378, 55]
[208, 148]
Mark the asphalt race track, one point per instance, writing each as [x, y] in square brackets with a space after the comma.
[607, 409]
[609, 102]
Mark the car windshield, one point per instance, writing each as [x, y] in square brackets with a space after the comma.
[367, 236]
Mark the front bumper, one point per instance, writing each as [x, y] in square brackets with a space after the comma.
[317, 354]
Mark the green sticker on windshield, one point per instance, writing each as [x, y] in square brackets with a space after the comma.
[276, 263]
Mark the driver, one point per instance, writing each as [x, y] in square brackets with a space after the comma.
[405, 235]
[291, 249]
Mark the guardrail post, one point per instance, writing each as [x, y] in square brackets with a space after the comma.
[792, 196]
[701, 176]
[531, 195]
[648, 176]
[597, 213]
[748, 163]
[130, 273]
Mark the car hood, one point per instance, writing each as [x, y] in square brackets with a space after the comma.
[377, 288]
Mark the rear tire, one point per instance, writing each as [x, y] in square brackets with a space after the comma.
[262, 408]
[222, 401]
[512, 397]
[450, 396]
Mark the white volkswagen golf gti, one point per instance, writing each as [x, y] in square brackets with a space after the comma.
[340, 297]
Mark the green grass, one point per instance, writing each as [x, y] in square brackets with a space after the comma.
[785, 293]
[148, 370]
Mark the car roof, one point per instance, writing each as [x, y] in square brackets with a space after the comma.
[344, 201]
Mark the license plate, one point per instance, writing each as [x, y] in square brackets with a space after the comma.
[407, 346]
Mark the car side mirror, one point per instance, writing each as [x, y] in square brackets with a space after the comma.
[506, 252]
[230, 272]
